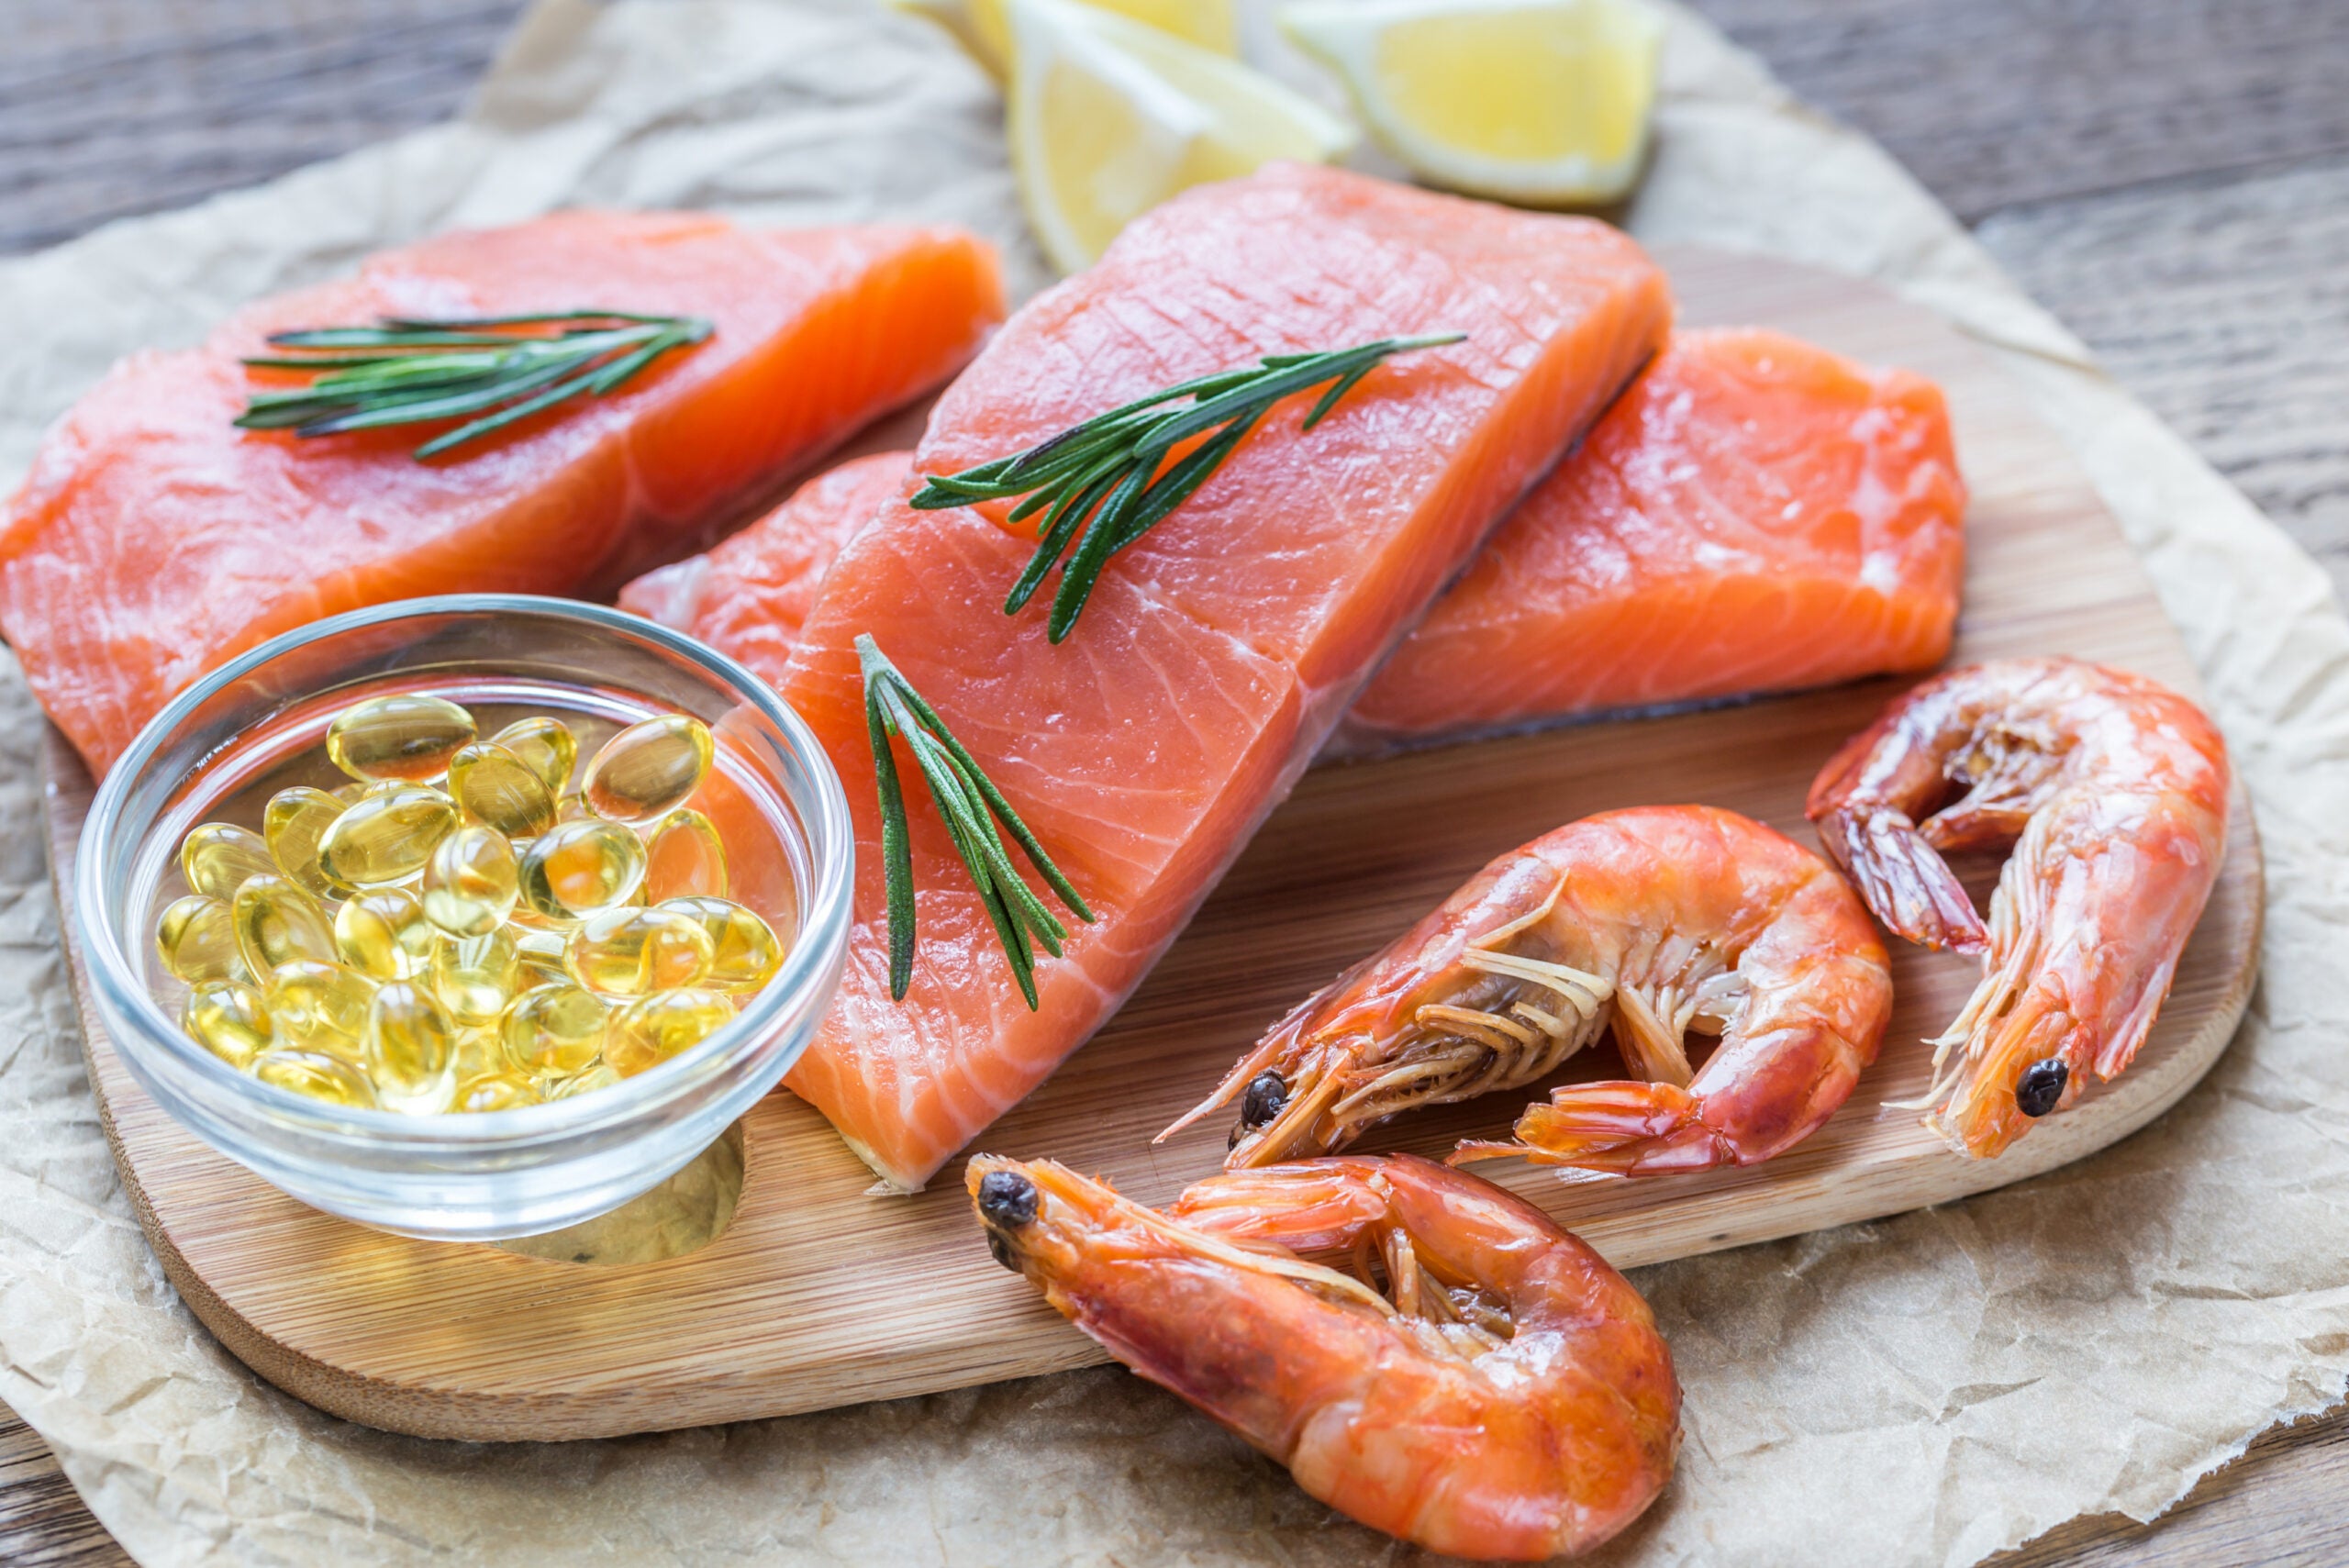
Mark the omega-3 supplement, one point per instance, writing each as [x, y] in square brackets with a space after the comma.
[582, 868]
[196, 939]
[470, 884]
[276, 923]
[386, 835]
[648, 769]
[410, 737]
[457, 929]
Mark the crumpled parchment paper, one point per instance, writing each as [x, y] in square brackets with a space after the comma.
[1928, 1389]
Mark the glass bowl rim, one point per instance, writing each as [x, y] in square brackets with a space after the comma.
[805, 969]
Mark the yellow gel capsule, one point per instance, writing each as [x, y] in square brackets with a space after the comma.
[627, 953]
[744, 952]
[684, 858]
[652, 1029]
[197, 939]
[648, 769]
[318, 1006]
[480, 1051]
[358, 790]
[553, 1030]
[316, 1074]
[216, 859]
[411, 1049]
[498, 789]
[386, 837]
[599, 1077]
[476, 978]
[276, 923]
[294, 823]
[409, 738]
[495, 1092]
[383, 935]
[229, 1019]
[547, 748]
[470, 883]
[577, 869]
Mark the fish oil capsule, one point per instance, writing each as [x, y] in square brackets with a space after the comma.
[652, 1029]
[577, 869]
[294, 823]
[317, 1075]
[744, 952]
[276, 923]
[470, 883]
[627, 953]
[383, 935]
[648, 769]
[386, 837]
[476, 978]
[357, 790]
[197, 939]
[600, 1076]
[480, 1052]
[409, 737]
[216, 859]
[230, 1019]
[570, 806]
[318, 1006]
[495, 1092]
[547, 748]
[553, 1030]
[684, 858]
[411, 1049]
[498, 789]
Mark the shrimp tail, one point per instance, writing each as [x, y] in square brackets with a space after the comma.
[1628, 1127]
[1903, 878]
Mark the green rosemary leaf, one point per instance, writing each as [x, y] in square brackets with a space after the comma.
[975, 814]
[488, 371]
[1098, 486]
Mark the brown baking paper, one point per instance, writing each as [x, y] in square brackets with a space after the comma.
[1927, 1389]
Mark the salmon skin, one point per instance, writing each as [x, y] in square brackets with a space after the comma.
[153, 540]
[1218, 651]
[1754, 514]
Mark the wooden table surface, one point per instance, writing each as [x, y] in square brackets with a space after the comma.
[2170, 176]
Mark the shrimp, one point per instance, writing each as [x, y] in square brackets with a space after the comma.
[1653, 921]
[1507, 1395]
[2112, 791]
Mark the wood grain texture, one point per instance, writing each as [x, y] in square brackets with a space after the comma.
[1922, 82]
[1999, 102]
[2225, 306]
[820, 1294]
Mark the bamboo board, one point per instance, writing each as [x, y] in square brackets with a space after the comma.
[820, 1294]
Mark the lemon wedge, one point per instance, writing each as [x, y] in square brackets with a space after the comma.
[1110, 116]
[1543, 102]
[984, 27]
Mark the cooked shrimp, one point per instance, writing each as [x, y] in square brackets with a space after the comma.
[1654, 921]
[2113, 792]
[1505, 1396]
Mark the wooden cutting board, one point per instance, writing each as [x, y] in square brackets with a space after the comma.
[820, 1294]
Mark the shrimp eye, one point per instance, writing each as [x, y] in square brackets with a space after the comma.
[1006, 1199]
[2042, 1085]
[1267, 1092]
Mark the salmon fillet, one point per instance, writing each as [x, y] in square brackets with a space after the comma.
[153, 539]
[1215, 653]
[1753, 515]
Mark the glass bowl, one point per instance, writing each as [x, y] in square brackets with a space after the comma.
[479, 1176]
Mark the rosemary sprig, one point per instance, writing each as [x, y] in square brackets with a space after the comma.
[404, 371]
[1099, 485]
[971, 805]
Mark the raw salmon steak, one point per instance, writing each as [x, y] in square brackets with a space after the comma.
[1754, 514]
[1217, 651]
[153, 540]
